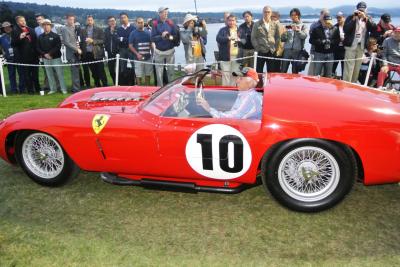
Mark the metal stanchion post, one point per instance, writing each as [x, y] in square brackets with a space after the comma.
[3, 85]
[117, 70]
[255, 59]
[371, 63]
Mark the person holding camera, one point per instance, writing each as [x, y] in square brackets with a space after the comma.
[165, 36]
[228, 39]
[23, 40]
[194, 39]
[294, 37]
[357, 29]
[324, 38]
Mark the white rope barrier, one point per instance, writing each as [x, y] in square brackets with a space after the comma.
[118, 59]
[59, 65]
[388, 62]
[314, 61]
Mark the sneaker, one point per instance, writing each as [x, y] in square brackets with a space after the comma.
[51, 92]
[64, 92]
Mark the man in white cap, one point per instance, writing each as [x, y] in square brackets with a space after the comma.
[49, 48]
[165, 36]
[194, 38]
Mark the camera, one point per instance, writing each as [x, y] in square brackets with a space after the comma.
[197, 27]
[168, 36]
[288, 27]
[327, 44]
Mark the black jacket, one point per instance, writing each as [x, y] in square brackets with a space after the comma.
[26, 50]
[111, 41]
[323, 44]
[98, 42]
[245, 35]
[349, 29]
[49, 44]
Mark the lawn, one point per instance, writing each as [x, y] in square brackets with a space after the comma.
[90, 223]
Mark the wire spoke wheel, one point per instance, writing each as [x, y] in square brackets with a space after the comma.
[43, 155]
[309, 174]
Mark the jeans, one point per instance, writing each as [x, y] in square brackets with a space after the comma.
[290, 54]
[76, 84]
[31, 75]
[12, 76]
[50, 74]
[97, 70]
[338, 54]
[319, 66]
[126, 70]
[271, 63]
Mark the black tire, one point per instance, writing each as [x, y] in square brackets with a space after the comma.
[65, 173]
[282, 182]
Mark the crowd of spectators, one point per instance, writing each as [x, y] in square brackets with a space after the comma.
[147, 48]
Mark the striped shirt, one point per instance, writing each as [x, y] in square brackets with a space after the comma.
[248, 105]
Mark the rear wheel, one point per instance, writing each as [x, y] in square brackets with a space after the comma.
[309, 175]
[44, 160]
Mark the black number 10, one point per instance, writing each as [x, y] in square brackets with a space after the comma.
[205, 140]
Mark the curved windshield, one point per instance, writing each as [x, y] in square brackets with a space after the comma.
[166, 95]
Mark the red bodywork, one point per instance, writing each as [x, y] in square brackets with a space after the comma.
[137, 144]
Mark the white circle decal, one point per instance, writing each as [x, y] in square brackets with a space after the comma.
[218, 151]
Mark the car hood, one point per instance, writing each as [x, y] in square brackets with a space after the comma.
[111, 99]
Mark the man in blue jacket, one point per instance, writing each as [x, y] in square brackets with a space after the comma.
[165, 37]
[9, 54]
[228, 43]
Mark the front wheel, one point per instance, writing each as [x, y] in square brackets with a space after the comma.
[44, 160]
[309, 175]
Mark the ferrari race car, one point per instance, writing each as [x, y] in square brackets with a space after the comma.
[315, 138]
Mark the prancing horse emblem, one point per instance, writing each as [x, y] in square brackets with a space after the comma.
[99, 122]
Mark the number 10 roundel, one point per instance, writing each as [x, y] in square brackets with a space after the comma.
[218, 151]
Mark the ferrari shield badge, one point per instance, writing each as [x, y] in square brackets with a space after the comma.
[99, 122]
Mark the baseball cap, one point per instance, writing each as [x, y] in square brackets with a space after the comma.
[340, 14]
[6, 24]
[362, 6]
[247, 72]
[46, 21]
[161, 9]
[386, 18]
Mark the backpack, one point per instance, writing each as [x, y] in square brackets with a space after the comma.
[177, 38]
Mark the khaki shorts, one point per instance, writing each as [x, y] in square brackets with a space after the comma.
[143, 69]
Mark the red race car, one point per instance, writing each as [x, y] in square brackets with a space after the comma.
[315, 137]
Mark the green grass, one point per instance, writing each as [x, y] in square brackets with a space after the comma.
[90, 223]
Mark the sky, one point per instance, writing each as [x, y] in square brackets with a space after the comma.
[204, 5]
